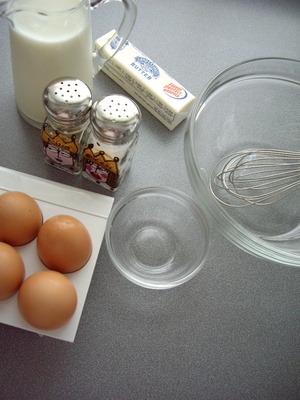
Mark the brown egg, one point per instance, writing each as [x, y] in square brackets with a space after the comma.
[64, 244]
[11, 271]
[20, 218]
[47, 300]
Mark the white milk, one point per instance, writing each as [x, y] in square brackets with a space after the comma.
[43, 49]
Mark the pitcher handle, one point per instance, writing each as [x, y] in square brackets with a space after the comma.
[117, 38]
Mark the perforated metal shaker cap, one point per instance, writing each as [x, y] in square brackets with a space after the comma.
[67, 100]
[116, 117]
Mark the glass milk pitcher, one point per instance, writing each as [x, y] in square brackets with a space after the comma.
[50, 39]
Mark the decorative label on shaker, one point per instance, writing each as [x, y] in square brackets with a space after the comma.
[61, 150]
[103, 168]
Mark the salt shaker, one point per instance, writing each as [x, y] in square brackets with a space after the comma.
[67, 102]
[108, 155]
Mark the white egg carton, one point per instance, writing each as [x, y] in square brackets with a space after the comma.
[90, 208]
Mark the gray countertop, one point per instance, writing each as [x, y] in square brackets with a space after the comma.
[232, 332]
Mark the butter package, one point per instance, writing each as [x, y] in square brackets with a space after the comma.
[147, 83]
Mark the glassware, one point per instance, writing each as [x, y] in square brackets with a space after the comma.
[248, 106]
[67, 102]
[51, 39]
[115, 120]
[158, 237]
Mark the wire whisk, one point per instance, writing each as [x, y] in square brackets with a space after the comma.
[256, 177]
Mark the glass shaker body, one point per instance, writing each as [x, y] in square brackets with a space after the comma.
[65, 131]
[109, 152]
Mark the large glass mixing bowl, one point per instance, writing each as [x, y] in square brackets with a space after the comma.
[242, 152]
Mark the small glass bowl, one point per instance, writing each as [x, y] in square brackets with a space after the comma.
[157, 237]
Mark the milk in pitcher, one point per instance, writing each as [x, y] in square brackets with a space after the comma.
[45, 47]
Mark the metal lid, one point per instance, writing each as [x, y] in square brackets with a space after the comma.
[67, 100]
[116, 117]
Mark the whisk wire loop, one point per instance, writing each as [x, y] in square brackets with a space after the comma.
[257, 177]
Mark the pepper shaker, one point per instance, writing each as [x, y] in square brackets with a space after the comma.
[109, 152]
[67, 102]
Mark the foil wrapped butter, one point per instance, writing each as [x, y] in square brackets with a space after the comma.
[147, 83]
